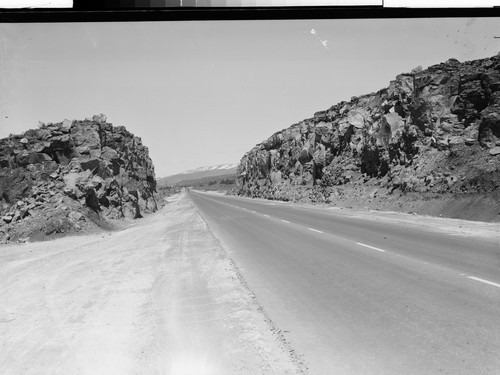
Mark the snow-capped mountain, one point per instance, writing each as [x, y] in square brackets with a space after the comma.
[201, 172]
[220, 167]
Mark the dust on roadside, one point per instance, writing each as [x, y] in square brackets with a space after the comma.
[216, 324]
[159, 297]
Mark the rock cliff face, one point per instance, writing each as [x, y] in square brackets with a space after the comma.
[431, 134]
[65, 176]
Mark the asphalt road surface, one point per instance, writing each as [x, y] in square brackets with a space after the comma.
[358, 296]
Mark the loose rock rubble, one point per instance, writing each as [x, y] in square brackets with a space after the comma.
[432, 134]
[70, 176]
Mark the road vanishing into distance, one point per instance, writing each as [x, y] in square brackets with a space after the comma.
[359, 296]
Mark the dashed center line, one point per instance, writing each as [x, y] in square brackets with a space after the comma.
[315, 230]
[370, 247]
[484, 281]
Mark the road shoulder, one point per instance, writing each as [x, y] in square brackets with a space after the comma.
[162, 296]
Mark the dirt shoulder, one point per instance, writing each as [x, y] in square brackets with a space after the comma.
[457, 227]
[160, 297]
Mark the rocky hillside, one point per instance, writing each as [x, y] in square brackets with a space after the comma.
[428, 143]
[67, 176]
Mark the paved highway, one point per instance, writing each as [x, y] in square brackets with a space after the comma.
[358, 296]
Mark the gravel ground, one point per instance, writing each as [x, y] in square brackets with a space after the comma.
[160, 297]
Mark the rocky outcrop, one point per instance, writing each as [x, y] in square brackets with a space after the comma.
[62, 177]
[432, 132]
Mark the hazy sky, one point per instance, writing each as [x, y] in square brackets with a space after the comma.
[205, 92]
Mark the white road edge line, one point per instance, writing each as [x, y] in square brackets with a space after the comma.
[315, 230]
[370, 247]
[285, 221]
[484, 281]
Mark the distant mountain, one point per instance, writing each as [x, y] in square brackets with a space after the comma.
[198, 173]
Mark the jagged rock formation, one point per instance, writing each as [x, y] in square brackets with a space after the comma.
[431, 134]
[65, 176]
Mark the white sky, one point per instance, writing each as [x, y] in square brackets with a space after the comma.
[204, 93]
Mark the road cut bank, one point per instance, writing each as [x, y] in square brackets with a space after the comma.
[160, 297]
